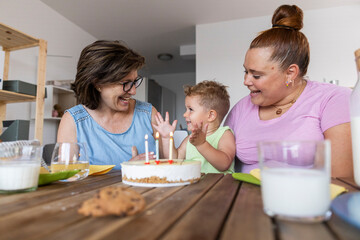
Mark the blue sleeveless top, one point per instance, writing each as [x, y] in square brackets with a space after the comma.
[106, 148]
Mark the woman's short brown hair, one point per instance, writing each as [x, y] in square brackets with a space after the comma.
[213, 95]
[290, 46]
[102, 62]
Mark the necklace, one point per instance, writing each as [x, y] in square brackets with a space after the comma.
[279, 108]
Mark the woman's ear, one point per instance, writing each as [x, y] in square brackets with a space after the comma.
[98, 88]
[292, 72]
[212, 115]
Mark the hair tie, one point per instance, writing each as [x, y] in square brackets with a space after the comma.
[283, 26]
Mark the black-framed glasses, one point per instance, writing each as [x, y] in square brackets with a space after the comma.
[128, 85]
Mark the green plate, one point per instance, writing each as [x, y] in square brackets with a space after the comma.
[47, 178]
[245, 177]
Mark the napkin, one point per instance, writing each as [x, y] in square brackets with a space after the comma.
[254, 175]
[100, 169]
[43, 170]
[245, 177]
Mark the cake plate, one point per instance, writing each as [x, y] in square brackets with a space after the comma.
[138, 184]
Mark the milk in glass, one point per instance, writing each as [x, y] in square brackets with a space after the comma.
[355, 122]
[15, 176]
[295, 192]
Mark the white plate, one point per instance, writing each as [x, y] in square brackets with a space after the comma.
[137, 184]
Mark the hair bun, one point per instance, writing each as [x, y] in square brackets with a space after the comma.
[288, 17]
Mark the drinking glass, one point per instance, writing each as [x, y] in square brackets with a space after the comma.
[295, 179]
[19, 167]
[70, 156]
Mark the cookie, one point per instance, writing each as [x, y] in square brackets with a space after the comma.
[113, 201]
[121, 201]
[91, 207]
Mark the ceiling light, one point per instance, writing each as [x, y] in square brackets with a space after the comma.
[165, 56]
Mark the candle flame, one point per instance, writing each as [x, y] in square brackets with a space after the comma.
[157, 135]
[146, 136]
[171, 134]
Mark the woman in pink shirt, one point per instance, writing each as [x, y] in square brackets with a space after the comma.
[282, 105]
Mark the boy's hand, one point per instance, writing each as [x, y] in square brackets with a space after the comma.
[198, 134]
[163, 126]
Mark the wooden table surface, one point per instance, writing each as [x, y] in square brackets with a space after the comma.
[217, 207]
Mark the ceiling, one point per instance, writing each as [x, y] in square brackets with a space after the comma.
[161, 26]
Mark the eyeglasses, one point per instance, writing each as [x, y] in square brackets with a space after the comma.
[128, 85]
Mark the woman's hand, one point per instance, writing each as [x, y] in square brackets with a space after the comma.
[137, 157]
[163, 126]
[198, 134]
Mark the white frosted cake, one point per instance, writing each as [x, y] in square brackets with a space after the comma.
[180, 172]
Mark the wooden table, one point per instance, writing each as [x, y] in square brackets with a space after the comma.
[217, 207]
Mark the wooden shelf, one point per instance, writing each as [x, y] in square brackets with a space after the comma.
[61, 90]
[56, 95]
[50, 119]
[11, 40]
[53, 118]
[13, 97]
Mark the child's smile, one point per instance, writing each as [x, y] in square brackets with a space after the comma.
[195, 113]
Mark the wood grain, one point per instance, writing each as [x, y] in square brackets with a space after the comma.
[155, 221]
[199, 222]
[217, 207]
[247, 219]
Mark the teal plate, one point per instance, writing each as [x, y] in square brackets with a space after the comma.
[347, 207]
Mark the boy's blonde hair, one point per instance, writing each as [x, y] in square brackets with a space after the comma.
[213, 95]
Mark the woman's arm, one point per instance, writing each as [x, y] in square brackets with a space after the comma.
[67, 129]
[341, 150]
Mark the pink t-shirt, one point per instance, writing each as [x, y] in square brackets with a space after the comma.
[319, 107]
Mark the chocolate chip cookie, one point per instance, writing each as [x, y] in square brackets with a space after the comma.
[113, 201]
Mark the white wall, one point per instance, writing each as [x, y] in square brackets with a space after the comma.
[333, 35]
[65, 42]
[175, 83]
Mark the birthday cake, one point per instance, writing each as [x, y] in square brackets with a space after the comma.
[160, 174]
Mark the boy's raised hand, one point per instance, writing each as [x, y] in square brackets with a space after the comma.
[198, 134]
[163, 126]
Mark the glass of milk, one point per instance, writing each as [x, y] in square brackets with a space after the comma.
[19, 168]
[70, 156]
[295, 179]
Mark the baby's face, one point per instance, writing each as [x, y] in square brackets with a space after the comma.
[195, 113]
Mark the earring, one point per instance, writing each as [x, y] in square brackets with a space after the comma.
[289, 81]
[99, 89]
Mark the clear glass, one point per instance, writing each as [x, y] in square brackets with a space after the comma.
[355, 126]
[19, 167]
[70, 156]
[295, 179]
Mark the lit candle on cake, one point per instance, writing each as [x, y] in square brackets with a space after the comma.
[157, 147]
[146, 150]
[171, 147]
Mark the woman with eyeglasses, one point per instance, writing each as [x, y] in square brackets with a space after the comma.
[108, 119]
